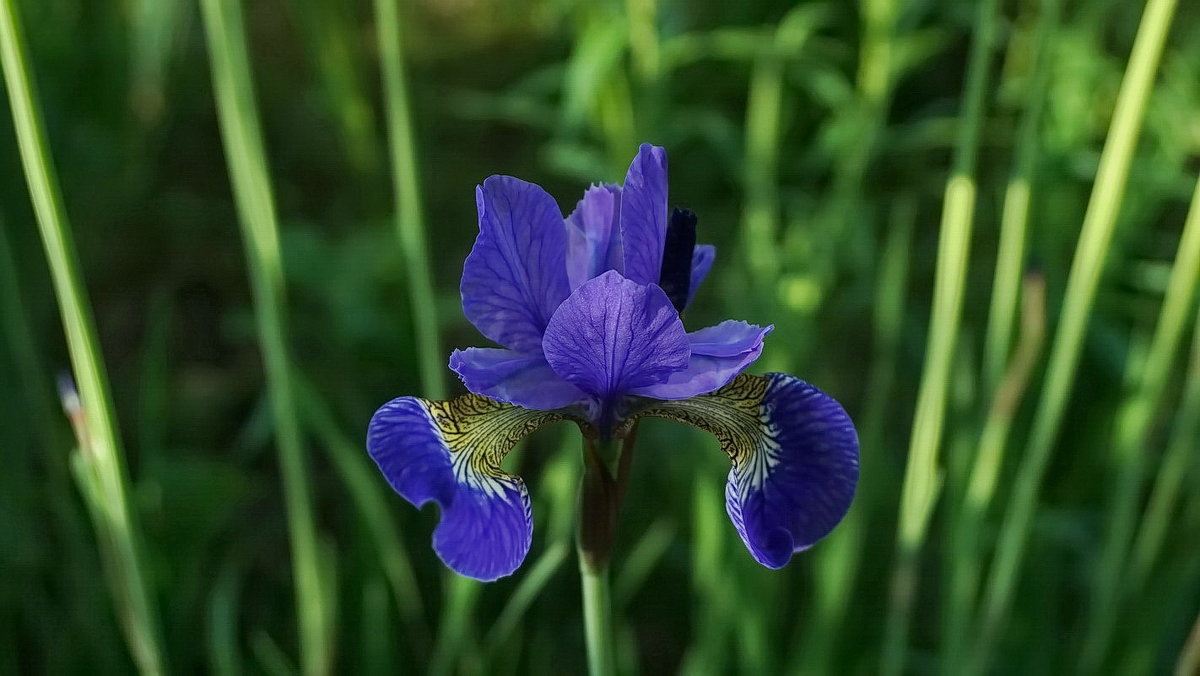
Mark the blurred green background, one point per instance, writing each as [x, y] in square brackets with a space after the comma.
[1029, 432]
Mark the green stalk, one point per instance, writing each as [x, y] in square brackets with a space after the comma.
[1098, 224]
[1014, 219]
[1132, 430]
[922, 479]
[367, 492]
[406, 185]
[246, 159]
[1172, 473]
[100, 458]
[597, 618]
[838, 559]
[966, 561]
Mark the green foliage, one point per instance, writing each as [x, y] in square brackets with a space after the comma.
[978, 207]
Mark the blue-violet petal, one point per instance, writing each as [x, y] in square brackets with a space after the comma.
[515, 275]
[449, 453]
[613, 335]
[718, 354]
[504, 375]
[643, 211]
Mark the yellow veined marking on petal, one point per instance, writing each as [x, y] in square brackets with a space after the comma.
[739, 418]
[479, 432]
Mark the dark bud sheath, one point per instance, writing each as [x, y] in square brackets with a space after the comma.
[605, 476]
[675, 277]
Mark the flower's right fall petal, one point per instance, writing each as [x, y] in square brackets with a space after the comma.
[795, 459]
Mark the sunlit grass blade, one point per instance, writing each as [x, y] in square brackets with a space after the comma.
[1133, 427]
[1090, 254]
[246, 160]
[922, 478]
[1014, 219]
[99, 461]
[406, 187]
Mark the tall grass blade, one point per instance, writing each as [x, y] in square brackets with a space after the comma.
[406, 187]
[1098, 224]
[1133, 427]
[246, 160]
[921, 478]
[100, 460]
[1178, 460]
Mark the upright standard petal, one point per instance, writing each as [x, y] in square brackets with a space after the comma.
[613, 335]
[593, 236]
[795, 459]
[719, 354]
[515, 275]
[702, 260]
[644, 215]
[524, 380]
[449, 452]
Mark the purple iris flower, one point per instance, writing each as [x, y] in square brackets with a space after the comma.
[587, 310]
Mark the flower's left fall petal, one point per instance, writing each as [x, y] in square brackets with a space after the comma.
[613, 335]
[644, 215]
[449, 453]
[513, 378]
[719, 353]
[516, 274]
[795, 459]
[702, 260]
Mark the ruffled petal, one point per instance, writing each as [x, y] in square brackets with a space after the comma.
[719, 353]
[449, 452]
[795, 459]
[593, 238]
[515, 275]
[513, 378]
[644, 215]
[613, 335]
[702, 260]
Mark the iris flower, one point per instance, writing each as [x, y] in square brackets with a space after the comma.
[587, 311]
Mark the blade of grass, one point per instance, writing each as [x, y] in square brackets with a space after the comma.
[1172, 473]
[365, 489]
[246, 160]
[406, 186]
[966, 565]
[1098, 225]
[533, 582]
[100, 456]
[1014, 219]
[838, 559]
[1132, 432]
[921, 478]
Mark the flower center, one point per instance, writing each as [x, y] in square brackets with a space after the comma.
[675, 276]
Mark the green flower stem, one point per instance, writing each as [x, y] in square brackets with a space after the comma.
[597, 618]
[1132, 431]
[100, 462]
[605, 463]
[922, 480]
[248, 172]
[1090, 254]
